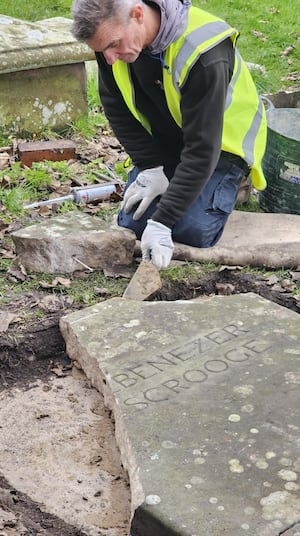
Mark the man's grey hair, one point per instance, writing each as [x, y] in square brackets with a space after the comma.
[88, 14]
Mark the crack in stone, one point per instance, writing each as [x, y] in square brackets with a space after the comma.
[289, 528]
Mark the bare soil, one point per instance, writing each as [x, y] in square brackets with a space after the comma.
[36, 351]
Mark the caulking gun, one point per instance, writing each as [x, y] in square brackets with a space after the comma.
[80, 195]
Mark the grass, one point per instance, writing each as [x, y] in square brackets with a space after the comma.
[266, 30]
[252, 205]
[20, 186]
[34, 10]
[83, 291]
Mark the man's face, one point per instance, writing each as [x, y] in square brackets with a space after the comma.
[124, 41]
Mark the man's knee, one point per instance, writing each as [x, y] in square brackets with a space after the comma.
[203, 233]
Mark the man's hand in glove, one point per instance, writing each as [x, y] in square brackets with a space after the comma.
[156, 244]
[148, 185]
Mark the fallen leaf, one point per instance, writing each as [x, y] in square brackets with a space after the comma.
[260, 35]
[287, 51]
[101, 291]
[57, 281]
[45, 210]
[5, 181]
[22, 269]
[279, 288]
[272, 279]
[51, 303]
[227, 267]
[5, 320]
[7, 254]
[80, 274]
[45, 284]
[288, 284]
[15, 274]
[4, 161]
[59, 371]
[61, 281]
[3, 225]
[225, 289]
[295, 276]
[118, 271]
[294, 76]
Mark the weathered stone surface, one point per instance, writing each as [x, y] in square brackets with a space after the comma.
[254, 239]
[206, 401]
[36, 99]
[32, 45]
[42, 75]
[59, 244]
[294, 531]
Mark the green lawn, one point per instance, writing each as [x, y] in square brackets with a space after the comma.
[267, 29]
[35, 9]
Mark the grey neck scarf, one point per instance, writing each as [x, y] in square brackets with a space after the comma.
[174, 15]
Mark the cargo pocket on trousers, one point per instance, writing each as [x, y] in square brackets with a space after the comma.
[225, 195]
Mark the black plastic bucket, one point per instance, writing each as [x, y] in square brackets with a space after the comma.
[281, 163]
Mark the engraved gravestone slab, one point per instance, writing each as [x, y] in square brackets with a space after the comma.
[206, 400]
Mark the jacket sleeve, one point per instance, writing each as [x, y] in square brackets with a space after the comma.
[202, 107]
[144, 151]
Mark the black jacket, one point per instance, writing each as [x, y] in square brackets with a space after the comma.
[190, 154]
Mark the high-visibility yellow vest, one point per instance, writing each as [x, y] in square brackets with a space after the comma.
[245, 126]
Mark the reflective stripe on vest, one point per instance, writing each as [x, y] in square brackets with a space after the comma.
[122, 76]
[244, 128]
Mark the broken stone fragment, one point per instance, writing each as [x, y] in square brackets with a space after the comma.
[68, 242]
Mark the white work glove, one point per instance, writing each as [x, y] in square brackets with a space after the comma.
[147, 186]
[156, 244]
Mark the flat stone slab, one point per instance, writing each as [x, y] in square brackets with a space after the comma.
[252, 238]
[294, 531]
[205, 395]
[71, 242]
[31, 45]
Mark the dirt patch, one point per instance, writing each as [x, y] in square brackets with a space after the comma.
[227, 282]
[32, 355]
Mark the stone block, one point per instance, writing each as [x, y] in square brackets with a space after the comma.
[53, 150]
[68, 242]
[205, 396]
[42, 75]
[254, 238]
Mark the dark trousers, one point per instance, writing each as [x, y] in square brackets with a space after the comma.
[203, 222]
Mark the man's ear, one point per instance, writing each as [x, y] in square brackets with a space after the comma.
[137, 13]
